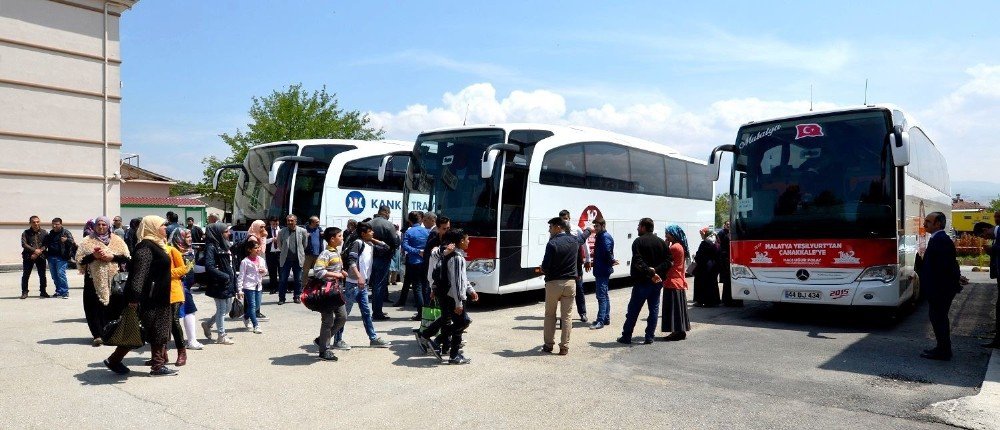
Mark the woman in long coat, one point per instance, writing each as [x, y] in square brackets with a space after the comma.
[100, 257]
[221, 280]
[149, 289]
[706, 271]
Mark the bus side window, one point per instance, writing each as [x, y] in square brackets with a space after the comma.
[608, 167]
[677, 178]
[563, 166]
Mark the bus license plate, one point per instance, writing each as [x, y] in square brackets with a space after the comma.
[807, 295]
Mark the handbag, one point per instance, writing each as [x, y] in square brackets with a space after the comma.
[118, 283]
[320, 295]
[237, 309]
[124, 331]
[429, 313]
[689, 270]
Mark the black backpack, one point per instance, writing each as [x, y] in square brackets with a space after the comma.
[440, 274]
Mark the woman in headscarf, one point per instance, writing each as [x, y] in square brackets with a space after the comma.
[149, 289]
[675, 317]
[131, 237]
[179, 244]
[88, 228]
[706, 272]
[101, 255]
[221, 279]
[257, 233]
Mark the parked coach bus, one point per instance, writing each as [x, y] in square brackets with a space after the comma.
[502, 183]
[332, 178]
[828, 207]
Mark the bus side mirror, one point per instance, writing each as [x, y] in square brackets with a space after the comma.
[488, 161]
[899, 144]
[218, 174]
[272, 175]
[715, 159]
[382, 167]
[489, 157]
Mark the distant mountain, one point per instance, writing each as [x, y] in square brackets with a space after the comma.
[980, 191]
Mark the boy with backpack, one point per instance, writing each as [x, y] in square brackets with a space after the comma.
[452, 288]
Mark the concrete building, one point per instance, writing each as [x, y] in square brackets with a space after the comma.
[60, 125]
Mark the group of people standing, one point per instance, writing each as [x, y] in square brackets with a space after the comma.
[658, 269]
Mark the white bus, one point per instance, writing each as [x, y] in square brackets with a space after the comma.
[335, 179]
[502, 183]
[828, 207]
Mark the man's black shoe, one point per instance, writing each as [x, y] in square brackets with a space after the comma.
[116, 367]
[44, 295]
[382, 317]
[297, 300]
[281, 302]
[647, 341]
[936, 355]
[624, 340]
[546, 348]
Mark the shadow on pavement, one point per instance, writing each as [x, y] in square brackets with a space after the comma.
[103, 376]
[67, 341]
[901, 347]
[71, 320]
[408, 354]
[533, 352]
[608, 345]
[528, 327]
[294, 360]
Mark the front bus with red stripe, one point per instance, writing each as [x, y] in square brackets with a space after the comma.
[827, 206]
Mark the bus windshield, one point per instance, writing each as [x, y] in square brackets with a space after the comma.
[446, 168]
[815, 177]
[258, 199]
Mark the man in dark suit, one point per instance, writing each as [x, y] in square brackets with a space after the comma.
[987, 231]
[940, 279]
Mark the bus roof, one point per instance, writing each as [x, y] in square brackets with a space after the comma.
[313, 142]
[566, 130]
[881, 106]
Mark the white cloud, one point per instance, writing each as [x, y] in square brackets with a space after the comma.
[964, 124]
[691, 132]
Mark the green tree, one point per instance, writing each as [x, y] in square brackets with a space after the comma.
[995, 204]
[721, 209]
[289, 114]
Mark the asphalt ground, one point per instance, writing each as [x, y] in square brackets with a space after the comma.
[759, 366]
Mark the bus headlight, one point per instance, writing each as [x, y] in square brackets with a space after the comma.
[740, 271]
[878, 273]
[482, 266]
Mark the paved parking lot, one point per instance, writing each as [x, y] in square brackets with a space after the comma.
[758, 366]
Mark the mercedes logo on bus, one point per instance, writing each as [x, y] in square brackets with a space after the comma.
[802, 274]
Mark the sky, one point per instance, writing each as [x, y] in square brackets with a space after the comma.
[678, 73]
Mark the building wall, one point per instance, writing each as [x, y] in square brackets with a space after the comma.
[51, 90]
[145, 189]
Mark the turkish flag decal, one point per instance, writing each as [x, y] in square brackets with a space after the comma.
[808, 130]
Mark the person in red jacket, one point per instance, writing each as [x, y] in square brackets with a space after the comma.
[675, 317]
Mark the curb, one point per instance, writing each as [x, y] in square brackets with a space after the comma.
[980, 411]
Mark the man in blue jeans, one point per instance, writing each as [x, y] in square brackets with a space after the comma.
[650, 262]
[59, 248]
[359, 266]
[604, 262]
